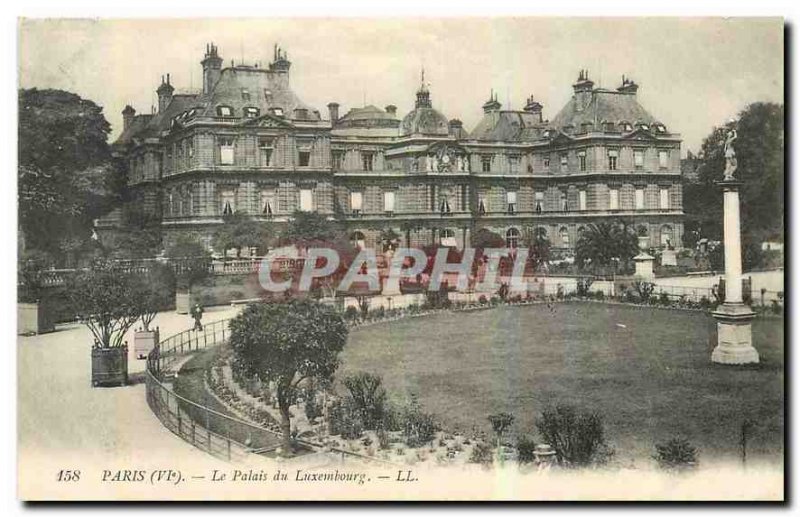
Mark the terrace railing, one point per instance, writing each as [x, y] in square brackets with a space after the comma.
[217, 433]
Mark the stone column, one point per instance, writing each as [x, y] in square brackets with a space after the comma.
[734, 318]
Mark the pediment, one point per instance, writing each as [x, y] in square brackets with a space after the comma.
[268, 121]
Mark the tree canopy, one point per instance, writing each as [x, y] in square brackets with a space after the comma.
[306, 228]
[67, 176]
[288, 343]
[241, 231]
[760, 156]
[606, 244]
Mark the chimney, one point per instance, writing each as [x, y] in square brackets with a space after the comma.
[391, 109]
[531, 106]
[164, 94]
[628, 86]
[491, 104]
[583, 90]
[127, 116]
[333, 112]
[212, 65]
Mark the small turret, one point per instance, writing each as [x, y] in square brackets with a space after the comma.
[127, 116]
[423, 94]
[164, 92]
[627, 86]
[492, 104]
[212, 66]
[531, 106]
[280, 61]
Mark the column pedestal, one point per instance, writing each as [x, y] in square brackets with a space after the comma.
[734, 328]
[734, 335]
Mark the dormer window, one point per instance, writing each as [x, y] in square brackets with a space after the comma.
[661, 129]
[267, 95]
[224, 111]
[245, 94]
[301, 114]
[278, 112]
[626, 126]
[645, 127]
[251, 112]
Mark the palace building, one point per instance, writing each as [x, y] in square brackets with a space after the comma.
[248, 144]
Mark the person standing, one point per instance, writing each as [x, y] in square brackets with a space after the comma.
[197, 314]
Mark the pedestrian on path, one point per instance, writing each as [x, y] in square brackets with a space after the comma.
[197, 314]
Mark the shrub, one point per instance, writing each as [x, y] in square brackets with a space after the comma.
[583, 285]
[383, 439]
[600, 295]
[379, 313]
[500, 423]
[577, 437]
[368, 397]
[644, 290]
[705, 303]
[419, 427]
[525, 448]
[663, 299]
[482, 454]
[313, 408]
[482, 300]
[351, 313]
[776, 307]
[675, 453]
[345, 420]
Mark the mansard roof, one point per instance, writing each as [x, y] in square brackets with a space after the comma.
[508, 126]
[592, 109]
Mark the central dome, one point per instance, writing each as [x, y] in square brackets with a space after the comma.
[424, 120]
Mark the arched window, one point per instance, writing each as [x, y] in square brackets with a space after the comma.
[358, 239]
[448, 238]
[512, 238]
[563, 235]
[666, 236]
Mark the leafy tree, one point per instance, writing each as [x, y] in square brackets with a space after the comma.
[190, 259]
[759, 152]
[286, 344]
[307, 228]
[67, 176]
[106, 299]
[606, 244]
[483, 239]
[500, 424]
[154, 292]
[675, 453]
[538, 248]
[240, 231]
[140, 235]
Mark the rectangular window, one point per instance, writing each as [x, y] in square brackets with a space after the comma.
[613, 199]
[638, 159]
[303, 157]
[388, 201]
[245, 94]
[664, 199]
[227, 202]
[538, 202]
[582, 200]
[226, 150]
[511, 199]
[265, 151]
[639, 199]
[356, 202]
[582, 161]
[612, 159]
[564, 202]
[481, 206]
[486, 163]
[663, 159]
[564, 162]
[546, 162]
[190, 147]
[513, 162]
[367, 161]
[267, 202]
[306, 200]
[337, 160]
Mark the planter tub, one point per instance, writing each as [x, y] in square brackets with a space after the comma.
[183, 302]
[110, 366]
[143, 342]
[33, 318]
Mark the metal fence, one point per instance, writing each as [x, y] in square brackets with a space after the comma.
[217, 433]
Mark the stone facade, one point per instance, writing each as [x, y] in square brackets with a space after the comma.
[248, 144]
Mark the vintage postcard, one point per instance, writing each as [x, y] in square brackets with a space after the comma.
[401, 259]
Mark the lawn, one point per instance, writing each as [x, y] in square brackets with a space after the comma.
[647, 371]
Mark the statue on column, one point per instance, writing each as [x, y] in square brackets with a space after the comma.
[730, 154]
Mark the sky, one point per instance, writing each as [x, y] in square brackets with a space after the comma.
[693, 73]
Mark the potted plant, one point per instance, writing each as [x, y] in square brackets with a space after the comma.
[155, 293]
[190, 260]
[33, 314]
[105, 299]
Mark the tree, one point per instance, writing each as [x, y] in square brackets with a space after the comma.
[286, 344]
[500, 424]
[67, 176]
[538, 248]
[606, 244]
[140, 235]
[577, 437]
[307, 228]
[240, 231]
[759, 153]
[190, 259]
[105, 299]
[154, 292]
[368, 396]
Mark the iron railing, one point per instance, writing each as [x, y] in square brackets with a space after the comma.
[213, 431]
